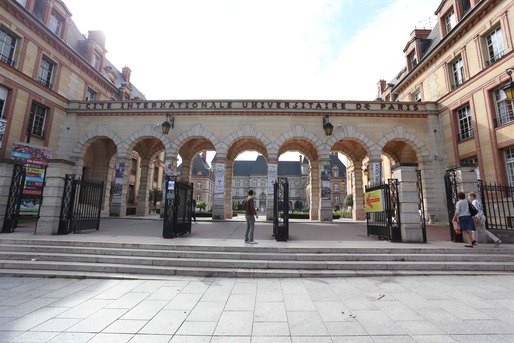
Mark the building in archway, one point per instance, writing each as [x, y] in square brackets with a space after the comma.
[461, 65]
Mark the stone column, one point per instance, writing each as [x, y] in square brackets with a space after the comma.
[6, 170]
[358, 193]
[50, 210]
[119, 199]
[325, 202]
[229, 167]
[218, 201]
[408, 198]
[432, 177]
[272, 178]
[143, 205]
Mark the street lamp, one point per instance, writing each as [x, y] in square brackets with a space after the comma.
[327, 126]
[168, 124]
[509, 89]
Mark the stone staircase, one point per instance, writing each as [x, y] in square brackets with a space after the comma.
[36, 257]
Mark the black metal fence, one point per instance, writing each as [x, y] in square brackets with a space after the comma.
[450, 183]
[385, 224]
[81, 204]
[281, 209]
[498, 205]
[177, 208]
[14, 200]
[421, 205]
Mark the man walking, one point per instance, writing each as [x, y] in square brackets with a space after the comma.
[250, 215]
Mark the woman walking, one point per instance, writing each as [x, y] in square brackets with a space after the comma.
[480, 219]
[463, 216]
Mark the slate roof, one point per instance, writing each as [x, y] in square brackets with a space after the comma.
[199, 167]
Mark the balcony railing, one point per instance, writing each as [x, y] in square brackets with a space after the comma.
[457, 83]
[44, 82]
[494, 58]
[504, 118]
[7, 60]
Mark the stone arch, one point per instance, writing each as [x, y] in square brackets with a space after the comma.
[245, 131]
[401, 134]
[196, 130]
[298, 131]
[147, 131]
[86, 140]
[349, 132]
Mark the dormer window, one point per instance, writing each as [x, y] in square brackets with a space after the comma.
[96, 59]
[56, 24]
[413, 60]
[450, 21]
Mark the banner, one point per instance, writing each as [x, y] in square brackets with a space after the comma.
[35, 159]
[272, 176]
[219, 185]
[374, 201]
[118, 178]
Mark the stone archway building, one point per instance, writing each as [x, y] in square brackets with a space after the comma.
[363, 131]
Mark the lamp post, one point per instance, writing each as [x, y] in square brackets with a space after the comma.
[327, 126]
[168, 124]
[509, 88]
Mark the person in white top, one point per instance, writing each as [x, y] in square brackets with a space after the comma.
[463, 216]
[480, 218]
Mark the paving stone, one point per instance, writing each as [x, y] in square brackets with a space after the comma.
[184, 301]
[265, 339]
[166, 322]
[270, 312]
[129, 300]
[56, 324]
[150, 338]
[345, 329]
[145, 310]
[72, 337]
[33, 336]
[206, 312]
[111, 338]
[33, 319]
[393, 339]
[433, 339]
[226, 339]
[270, 329]
[352, 339]
[197, 328]
[191, 339]
[377, 323]
[235, 323]
[97, 321]
[419, 327]
[125, 326]
[240, 302]
[85, 309]
[317, 339]
[306, 324]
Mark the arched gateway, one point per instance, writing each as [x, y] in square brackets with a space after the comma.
[103, 136]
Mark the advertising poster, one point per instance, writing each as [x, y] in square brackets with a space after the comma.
[377, 173]
[3, 125]
[272, 176]
[118, 178]
[219, 186]
[35, 160]
[325, 181]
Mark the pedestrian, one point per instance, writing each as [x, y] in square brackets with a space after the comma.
[463, 216]
[480, 219]
[250, 215]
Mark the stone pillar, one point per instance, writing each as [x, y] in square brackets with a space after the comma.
[50, 211]
[119, 199]
[229, 167]
[432, 177]
[325, 202]
[6, 170]
[108, 184]
[408, 197]
[170, 167]
[143, 204]
[218, 201]
[315, 190]
[358, 193]
[467, 180]
[272, 178]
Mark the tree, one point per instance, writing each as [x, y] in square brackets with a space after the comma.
[348, 200]
[201, 205]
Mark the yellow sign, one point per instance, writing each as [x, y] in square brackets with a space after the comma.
[374, 201]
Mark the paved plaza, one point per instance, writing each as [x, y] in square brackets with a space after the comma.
[197, 310]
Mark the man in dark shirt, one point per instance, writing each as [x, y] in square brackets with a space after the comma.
[250, 215]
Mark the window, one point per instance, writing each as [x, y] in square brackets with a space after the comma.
[465, 126]
[450, 21]
[37, 120]
[7, 46]
[90, 95]
[413, 60]
[155, 174]
[503, 107]
[335, 172]
[198, 197]
[263, 183]
[133, 167]
[469, 162]
[495, 46]
[466, 6]
[416, 96]
[254, 183]
[56, 23]
[3, 100]
[509, 164]
[46, 70]
[199, 185]
[336, 187]
[457, 70]
[336, 199]
[96, 61]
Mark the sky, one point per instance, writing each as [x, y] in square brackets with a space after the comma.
[249, 49]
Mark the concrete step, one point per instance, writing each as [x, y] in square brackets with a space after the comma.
[39, 250]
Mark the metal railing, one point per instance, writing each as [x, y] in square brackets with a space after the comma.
[498, 204]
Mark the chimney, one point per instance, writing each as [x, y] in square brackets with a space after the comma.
[382, 84]
[125, 72]
[420, 33]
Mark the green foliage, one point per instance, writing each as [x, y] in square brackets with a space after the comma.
[201, 205]
[348, 200]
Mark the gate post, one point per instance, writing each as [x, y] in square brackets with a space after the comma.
[409, 201]
[50, 212]
[358, 193]
[6, 170]
[272, 178]
[218, 201]
[325, 203]
[467, 180]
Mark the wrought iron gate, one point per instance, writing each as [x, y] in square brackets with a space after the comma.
[450, 183]
[14, 200]
[81, 205]
[498, 205]
[421, 206]
[386, 224]
[281, 206]
[177, 208]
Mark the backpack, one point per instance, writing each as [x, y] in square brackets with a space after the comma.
[472, 209]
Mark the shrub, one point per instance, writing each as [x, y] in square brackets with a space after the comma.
[348, 200]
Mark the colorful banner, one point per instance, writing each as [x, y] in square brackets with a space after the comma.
[374, 201]
[219, 185]
[118, 179]
[35, 159]
[272, 176]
